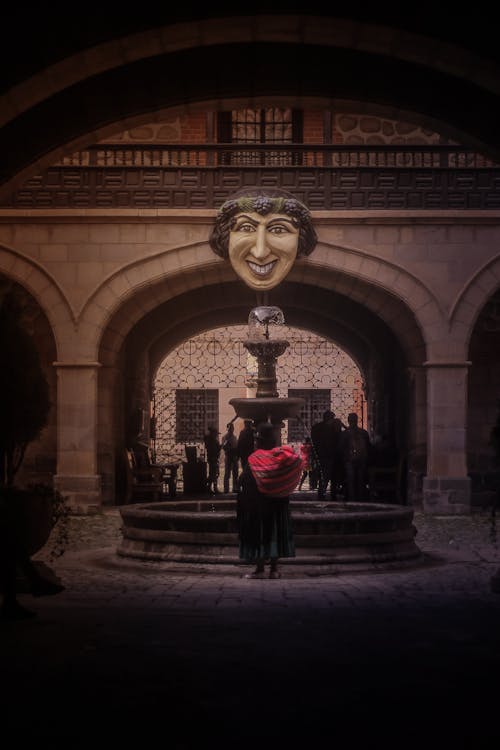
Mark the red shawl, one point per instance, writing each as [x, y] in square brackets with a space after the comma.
[276, 471]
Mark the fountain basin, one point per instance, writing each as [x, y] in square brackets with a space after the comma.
[263, 409]
[326, 533]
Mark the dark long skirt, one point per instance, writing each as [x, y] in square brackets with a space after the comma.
[265, 528]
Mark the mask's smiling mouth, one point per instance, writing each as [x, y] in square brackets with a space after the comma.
[261, 270]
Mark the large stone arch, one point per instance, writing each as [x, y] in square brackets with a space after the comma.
[147, 318]
[481, 321]
[471, 300]
[129, 293]
[44, 289]
[381, 64]
[342, 32]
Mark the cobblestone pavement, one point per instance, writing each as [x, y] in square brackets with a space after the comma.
[129, 651]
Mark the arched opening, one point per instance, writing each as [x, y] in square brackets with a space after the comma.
[195, 382]
[484, 402]
[385, 344]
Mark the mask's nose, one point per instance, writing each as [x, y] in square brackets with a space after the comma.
[260, 249]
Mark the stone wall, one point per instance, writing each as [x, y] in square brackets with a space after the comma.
[95, 274]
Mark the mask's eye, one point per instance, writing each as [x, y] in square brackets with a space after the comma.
[278, 229]
[245, 227]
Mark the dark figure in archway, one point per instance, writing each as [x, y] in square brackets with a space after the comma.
[229, 446]
[338, 472]
[324, 440]
[306, 452]
[355, 449]
[246, 442]
[213, 449]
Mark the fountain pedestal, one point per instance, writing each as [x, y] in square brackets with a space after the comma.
[267, 406]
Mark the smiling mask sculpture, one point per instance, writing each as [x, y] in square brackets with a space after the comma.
[262, 232]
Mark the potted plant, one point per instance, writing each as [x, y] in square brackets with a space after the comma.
[24, 410]
[495, 444]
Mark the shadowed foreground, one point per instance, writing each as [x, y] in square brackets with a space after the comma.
[150, 652]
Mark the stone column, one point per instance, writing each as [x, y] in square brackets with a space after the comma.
[77, 476]
[446, 488]
[417, 433]
[111, 432]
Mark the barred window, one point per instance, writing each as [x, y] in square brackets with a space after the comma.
[195, 409]
[266, 125]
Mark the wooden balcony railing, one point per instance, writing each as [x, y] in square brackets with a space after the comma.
[330, 177]
[269, 155]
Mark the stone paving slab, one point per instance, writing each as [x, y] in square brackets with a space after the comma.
[141, 653]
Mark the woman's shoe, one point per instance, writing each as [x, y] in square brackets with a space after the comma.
[274, 574]
[256, 574]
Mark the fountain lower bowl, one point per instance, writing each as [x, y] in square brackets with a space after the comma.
[328, 535]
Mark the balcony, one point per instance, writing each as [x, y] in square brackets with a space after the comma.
[325, 177]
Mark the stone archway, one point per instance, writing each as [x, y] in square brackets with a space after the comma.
[384, 354]
[195, 381]
[484, 402]
[44, 289]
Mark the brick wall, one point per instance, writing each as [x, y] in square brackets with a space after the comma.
[346, 128]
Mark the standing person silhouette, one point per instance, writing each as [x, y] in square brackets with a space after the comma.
[229, 446]
[212, 448]
[306, 450]
[246, 442]
[355, 449]
[323, 440]
[337, 471]
[263, 512]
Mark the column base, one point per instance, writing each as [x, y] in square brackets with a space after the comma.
[83, 492]
[446, 496]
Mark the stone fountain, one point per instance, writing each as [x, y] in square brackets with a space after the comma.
[329, 536]
[267, 406]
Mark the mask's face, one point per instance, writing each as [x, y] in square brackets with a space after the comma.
[262, 249]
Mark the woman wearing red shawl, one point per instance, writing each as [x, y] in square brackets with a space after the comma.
[265, 529]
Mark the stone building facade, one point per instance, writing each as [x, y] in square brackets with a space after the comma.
[405, 277]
